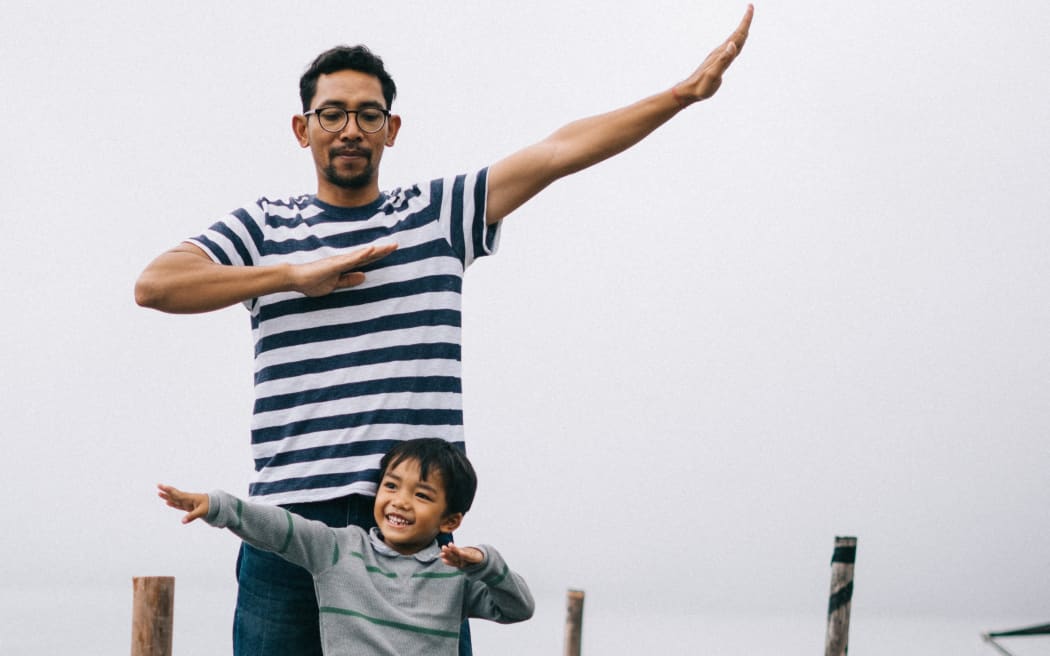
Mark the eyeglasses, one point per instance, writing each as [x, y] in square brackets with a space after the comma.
[335, 119]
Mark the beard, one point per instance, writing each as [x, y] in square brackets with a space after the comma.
[347, 181]
[356, 181]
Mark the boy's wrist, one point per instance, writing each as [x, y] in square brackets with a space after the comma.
[480, 567]
[474, 556]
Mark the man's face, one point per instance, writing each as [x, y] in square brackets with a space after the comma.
[346, 161]
[409, 510]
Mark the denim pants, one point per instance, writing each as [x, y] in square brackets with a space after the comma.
[276, 605]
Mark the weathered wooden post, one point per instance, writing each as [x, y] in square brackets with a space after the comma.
[841, 595]
[574, 623]
[151, 620]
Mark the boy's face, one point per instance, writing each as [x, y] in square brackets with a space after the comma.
[410, 511]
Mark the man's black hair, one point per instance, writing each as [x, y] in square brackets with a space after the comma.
[457, 473]
[342, 58]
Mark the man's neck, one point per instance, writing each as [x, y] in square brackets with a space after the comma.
[343, 197]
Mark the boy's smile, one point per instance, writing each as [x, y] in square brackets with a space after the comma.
[410, 511]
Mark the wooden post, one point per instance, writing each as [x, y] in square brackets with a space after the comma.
[574, 623]
[842, 560]
[151, 620]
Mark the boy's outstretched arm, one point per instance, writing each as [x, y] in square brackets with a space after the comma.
[194, 503]
[298, 540]
[515, 179]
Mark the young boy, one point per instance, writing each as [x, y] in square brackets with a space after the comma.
[391, 590]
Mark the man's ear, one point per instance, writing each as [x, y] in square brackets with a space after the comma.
[299, 128]
[393, 127]
[451, 522]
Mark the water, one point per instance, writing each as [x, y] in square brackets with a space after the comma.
[97, 622]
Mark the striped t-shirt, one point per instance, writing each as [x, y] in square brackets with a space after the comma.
[339, 379]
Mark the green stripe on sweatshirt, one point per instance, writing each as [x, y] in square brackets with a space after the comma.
[437, 575]
[288, 535]
[394, 625]
[496, 579]
[373, 568]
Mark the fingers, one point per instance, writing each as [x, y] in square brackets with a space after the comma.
[370, 254]
[175, 498]
[350, 279]
[196, 505]
[170, 494]
[324, 276]
[706, 80]
[451, 555]
[196, 513]
[349, 276]
[735, 43]
[740, 35]
[456, 557]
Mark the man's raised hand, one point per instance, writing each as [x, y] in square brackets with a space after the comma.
[706, 79]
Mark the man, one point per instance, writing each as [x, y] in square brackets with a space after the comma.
[354, 296]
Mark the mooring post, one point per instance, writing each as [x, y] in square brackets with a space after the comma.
[841, 595]
[574, 623]
[151, 620]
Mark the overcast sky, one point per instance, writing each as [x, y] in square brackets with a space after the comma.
[815, 305]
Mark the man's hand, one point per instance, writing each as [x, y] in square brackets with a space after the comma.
[336, 272]
[460, 557]
[704, 81]
[195, 504]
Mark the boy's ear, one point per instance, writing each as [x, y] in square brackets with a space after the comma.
[451, 522]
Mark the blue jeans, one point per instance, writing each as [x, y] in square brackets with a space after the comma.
[276, 605]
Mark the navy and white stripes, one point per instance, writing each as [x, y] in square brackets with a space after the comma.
[339, 379]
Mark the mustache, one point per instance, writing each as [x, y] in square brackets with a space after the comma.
[359, 151]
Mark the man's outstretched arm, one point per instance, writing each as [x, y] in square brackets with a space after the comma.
[185, 280]
[580, 144]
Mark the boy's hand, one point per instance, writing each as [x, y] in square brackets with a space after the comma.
[195, 504]
[461, 557]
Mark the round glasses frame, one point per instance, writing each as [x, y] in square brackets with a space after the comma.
[335, 119]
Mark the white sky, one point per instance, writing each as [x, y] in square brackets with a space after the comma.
[815, 305]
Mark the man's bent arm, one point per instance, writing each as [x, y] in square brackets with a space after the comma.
[185, 280]
[580, 144]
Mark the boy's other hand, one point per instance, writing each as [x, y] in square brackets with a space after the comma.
[461, 556]
[195, 504]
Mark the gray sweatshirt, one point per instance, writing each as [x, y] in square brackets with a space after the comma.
[373, 600]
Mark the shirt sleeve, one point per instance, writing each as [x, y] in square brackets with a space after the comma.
[308, 543]
[235, 239]
[464, 201]
[496, 593]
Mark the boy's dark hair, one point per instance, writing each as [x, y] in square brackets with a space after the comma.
[456, 471]
[342, 58]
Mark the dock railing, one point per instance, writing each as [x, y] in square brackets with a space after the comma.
[154, 603]
[152, 612]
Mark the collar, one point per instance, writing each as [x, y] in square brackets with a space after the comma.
[427, 554]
